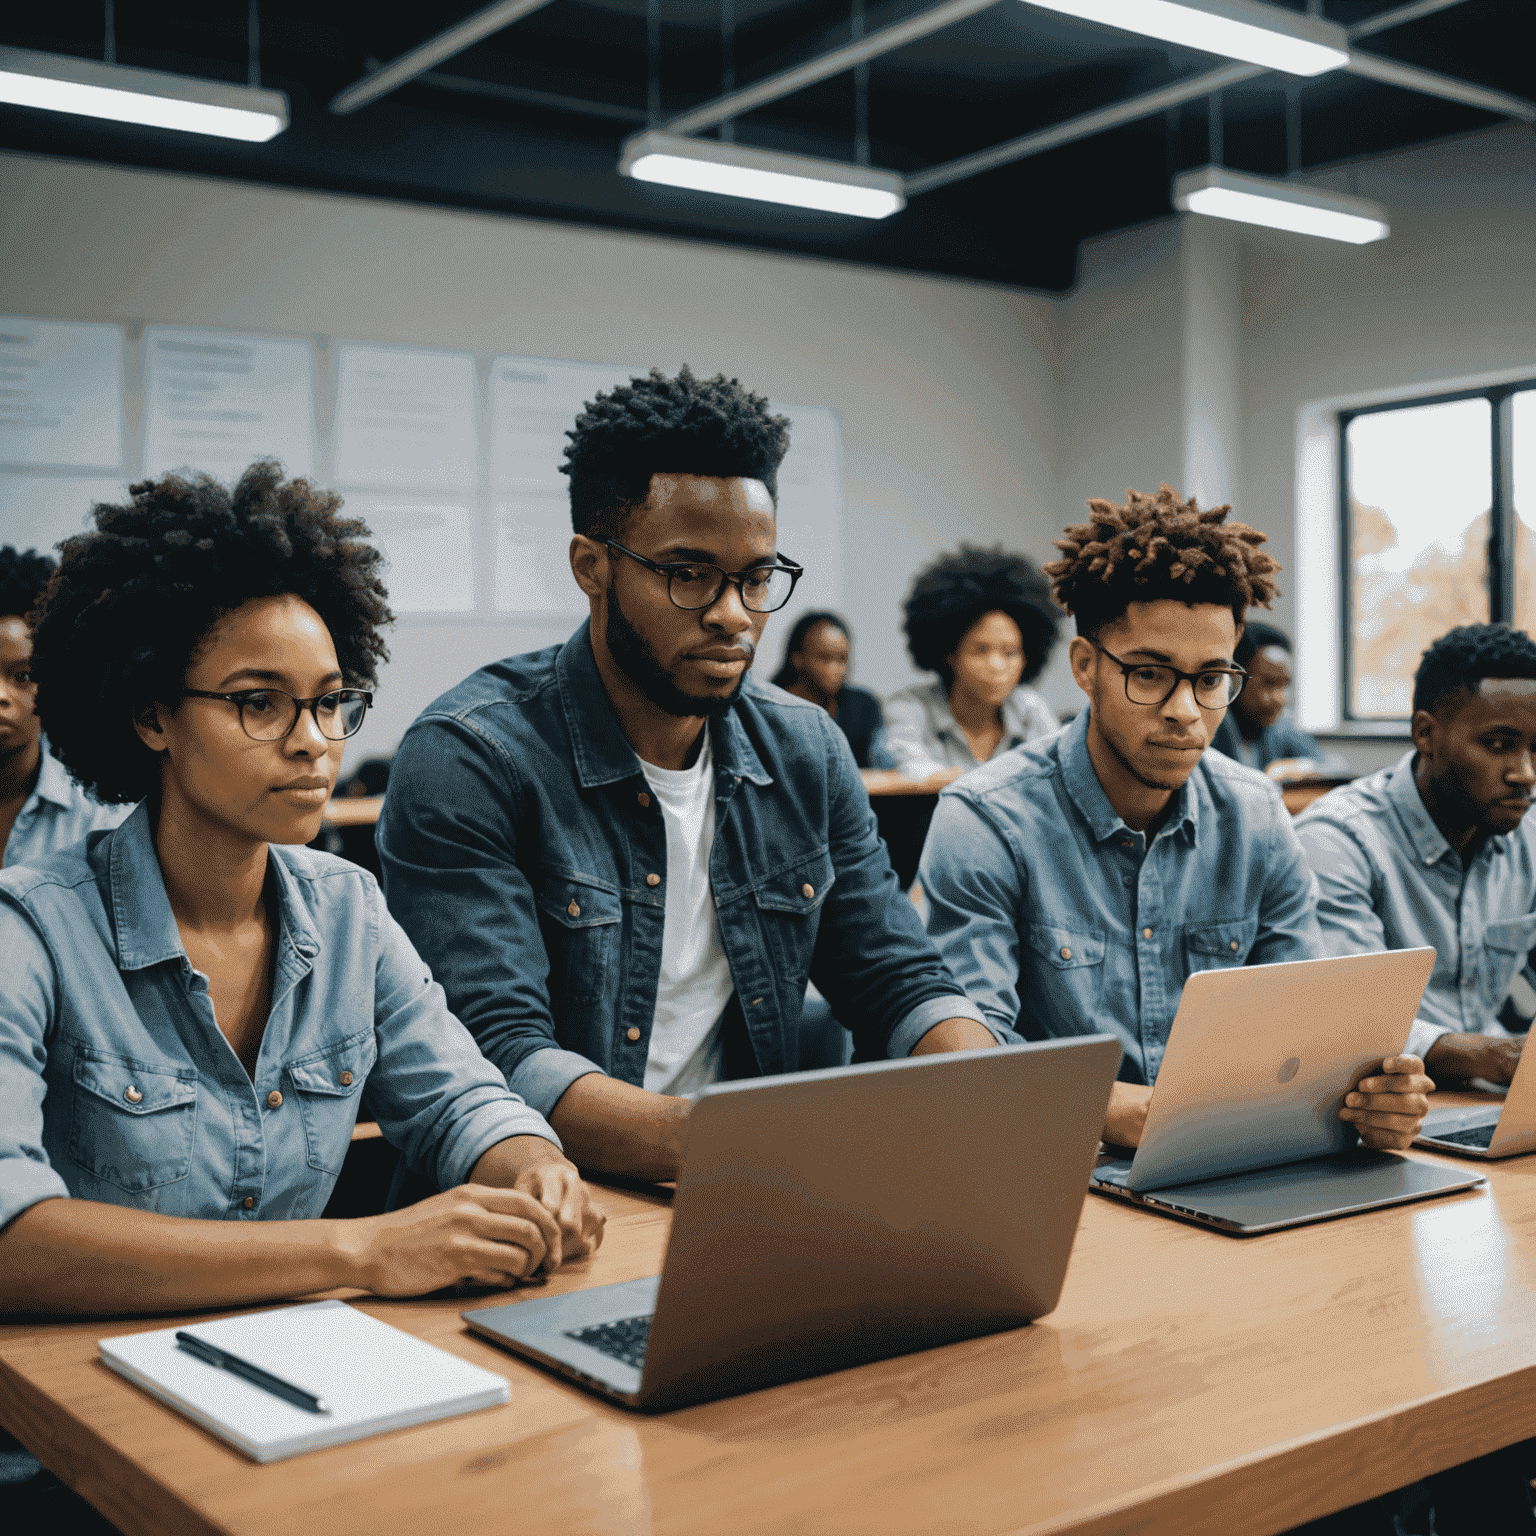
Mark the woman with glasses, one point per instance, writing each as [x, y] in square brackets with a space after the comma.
[193, 1003]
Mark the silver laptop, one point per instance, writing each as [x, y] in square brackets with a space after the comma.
[1488, 1130]
[1243, 1131]
[829, 1218]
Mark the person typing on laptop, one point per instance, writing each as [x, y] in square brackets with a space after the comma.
[1438, 849]
[622, 856]
[1074, 886]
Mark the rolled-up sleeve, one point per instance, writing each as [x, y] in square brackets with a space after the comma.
[28, 999]
[435, 1095]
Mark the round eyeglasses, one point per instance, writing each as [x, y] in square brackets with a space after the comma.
[269, 714]
[1152, 683]
[691, 585]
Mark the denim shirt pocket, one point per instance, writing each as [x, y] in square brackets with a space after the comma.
[1217, 946]
[789, 903]
[581, 918]
[327, 1086]
[1065, 980]
[133, 1122]
[1506, 943]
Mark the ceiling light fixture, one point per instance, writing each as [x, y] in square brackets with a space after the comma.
[58, 83]
[1235, 29]
[734, 170]
[1227, 194]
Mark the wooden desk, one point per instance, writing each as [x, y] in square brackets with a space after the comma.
[1188, 1382]
[353, 810]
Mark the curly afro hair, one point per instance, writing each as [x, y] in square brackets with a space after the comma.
[1158, 547]
[1462, 657]
[23, 575]
[950, 595]
[657, 425]
[131, 602]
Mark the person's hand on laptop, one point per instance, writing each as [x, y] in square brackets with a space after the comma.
[1388, 1107]
[1126, 1117]
[1490, 1057]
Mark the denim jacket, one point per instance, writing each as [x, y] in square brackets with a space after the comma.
[116, 1085]
[525, 856]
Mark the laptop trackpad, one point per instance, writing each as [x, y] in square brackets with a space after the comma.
[1311, 1191]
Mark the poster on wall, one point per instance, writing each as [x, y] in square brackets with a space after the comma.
[406, 418]
[61, 393]
[215, 402]
[40, 511]
[428, 547]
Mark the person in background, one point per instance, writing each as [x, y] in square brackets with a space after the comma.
[1438, 849]
[190, 1005]
[1254, 730]
[42, 809]
[622, 856]
[984, 622]
[1076, 884]
[816, 661]
[369, 778]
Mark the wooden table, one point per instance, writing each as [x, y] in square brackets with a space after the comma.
[1188, 1382]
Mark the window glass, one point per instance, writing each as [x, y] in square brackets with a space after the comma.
[1420, 492]
[1522, 425]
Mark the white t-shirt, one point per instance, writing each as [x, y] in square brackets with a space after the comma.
[695, 981]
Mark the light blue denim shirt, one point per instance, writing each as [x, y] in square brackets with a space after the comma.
[57, 813]
[116, 1085]
[1387, 879]
[1060, 920]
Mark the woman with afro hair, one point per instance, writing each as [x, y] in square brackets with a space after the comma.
[984, 622]
[193, 1003]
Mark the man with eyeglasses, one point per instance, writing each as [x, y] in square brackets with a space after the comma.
[624, 858]
[1074, 886]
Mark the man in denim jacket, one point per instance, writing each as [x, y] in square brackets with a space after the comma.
[623, 858]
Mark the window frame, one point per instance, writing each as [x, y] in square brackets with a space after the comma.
[1501, 521]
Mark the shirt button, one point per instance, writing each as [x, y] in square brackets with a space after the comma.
[807, 891]
[1066, 954]
[346, 1079]
[644, 799]
[756, 1001]
[249, 1202]
[274, 1099]
[1127, 880]
[653, 879]
[132, 1094]
[1146, 933]
[574, 910]
[632, 1033]
[1234, 943]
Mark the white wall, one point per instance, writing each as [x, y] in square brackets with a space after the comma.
[947, 390]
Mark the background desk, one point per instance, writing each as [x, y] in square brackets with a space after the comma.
[1188, 1382]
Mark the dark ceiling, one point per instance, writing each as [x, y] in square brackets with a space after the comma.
[529, 121]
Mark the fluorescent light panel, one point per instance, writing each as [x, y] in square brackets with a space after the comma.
[1235, 29]
[732, 170]
[1227, 194]
[58, 83]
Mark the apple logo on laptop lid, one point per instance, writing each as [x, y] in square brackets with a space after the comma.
[1288, 1069]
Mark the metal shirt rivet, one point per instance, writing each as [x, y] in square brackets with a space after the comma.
[756, 1001]
[632, 1033]
[132, 1094]
[1146, 933]
[249, 1202]
[574, 910]
[643, 798]
[346, 1079]
[1066, 954]
[1234, 943]
[807, 891]
[653, 879]
[274, 1099]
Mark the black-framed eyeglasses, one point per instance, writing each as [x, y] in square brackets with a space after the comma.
[1153, 682]
[690, 585]
[270, 714]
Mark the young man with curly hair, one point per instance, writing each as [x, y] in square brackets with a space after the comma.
[192, 1004]
[42, 809]
[1074, 886]
[1438, 849]
[622, 856]
[984, 622]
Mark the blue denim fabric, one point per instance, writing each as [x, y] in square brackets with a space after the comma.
[516, 841]
[1059, 920]
[57, 813]
[116, 1085]
[1387, 879]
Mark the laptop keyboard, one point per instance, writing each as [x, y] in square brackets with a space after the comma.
[1473, 1136]
[625, 1340]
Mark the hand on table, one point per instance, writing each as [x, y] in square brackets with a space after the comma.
[1490, 1057]
[558, 1187]
[1388, 1107]
[1126, 1117]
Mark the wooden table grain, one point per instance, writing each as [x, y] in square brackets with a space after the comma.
[1188, 1382]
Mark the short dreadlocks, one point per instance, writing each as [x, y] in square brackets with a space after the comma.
[657, 425]
[23, 575]
[1158, 547]
[132, 601]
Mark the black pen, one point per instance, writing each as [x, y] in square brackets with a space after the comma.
[251, 1373]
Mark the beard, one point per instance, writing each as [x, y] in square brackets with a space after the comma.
[634, 657]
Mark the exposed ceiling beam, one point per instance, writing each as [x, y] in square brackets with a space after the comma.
[823, 66]
[1390, 72]
[408, 66]
[580, 106]
[1404, 13]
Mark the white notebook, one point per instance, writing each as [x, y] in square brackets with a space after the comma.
[373, 1378]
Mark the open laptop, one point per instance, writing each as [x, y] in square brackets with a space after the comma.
[1488, 1130]
[830, 1218]
[1243, 1132]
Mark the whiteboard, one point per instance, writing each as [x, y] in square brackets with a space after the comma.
[40, 511]
[215, 402]
[61, 393]
[406, 418]
[428, 550]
